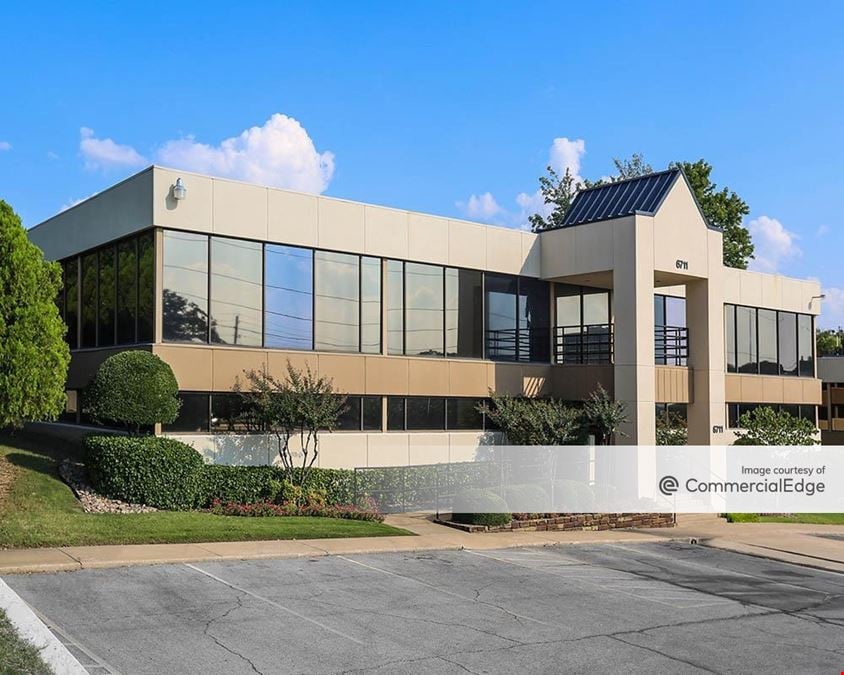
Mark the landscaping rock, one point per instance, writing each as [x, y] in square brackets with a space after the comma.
[73, 473]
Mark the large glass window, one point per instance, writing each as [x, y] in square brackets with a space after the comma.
[788, 343]
[370, 305]
[730, 337]
[289, 297]
[146, 287]
[463, 414]
[746, 340]
[395, 413]
[337, 294]
[501, 316]
[105, 334]
[596, 306]
[127, 291]
[425, 413]
[71, 316]
[185, 296]
[89, 300]
[767, 342]
[395, 307]
[464, 332]
[193, 414]
[371, 413]
[534, 320]
[236, 284]
[424, 310]
[805, 346]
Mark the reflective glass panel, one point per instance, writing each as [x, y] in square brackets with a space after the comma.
[730, 337]
[146, 286]
[596, 307]
[105, 334]
[371, 413]
[424, 310]
[127, 291]
[463, 413]
[236, 292]
[768, 364]
[746, 340]
[464, 313]
[395, 413]
[289, 297]
[193, 414]
[349, 419]
[336, 294]
[370, 305]
[395, 307]
[89, 300]
[805, 345]
[425, 413]
[501, 318]
[534, 320]
[185, 295]
[788, 343]
[71, 316]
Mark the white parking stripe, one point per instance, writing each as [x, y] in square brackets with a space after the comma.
[276, 605]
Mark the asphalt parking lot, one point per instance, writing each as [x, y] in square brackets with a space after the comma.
[648, 608]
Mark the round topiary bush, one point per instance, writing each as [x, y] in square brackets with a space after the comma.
[160, 472]
[480, 507]
[527, 498]
[571, 496]
[134, 389]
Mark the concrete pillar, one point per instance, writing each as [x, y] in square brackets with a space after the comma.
[633, 308]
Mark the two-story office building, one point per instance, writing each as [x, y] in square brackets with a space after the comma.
[418, 317]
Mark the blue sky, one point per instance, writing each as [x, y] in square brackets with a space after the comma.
[423, 105]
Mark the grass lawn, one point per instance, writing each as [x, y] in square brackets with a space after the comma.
[806, 518]
[16, 655]
[39, 509]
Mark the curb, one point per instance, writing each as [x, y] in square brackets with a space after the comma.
[33, 630]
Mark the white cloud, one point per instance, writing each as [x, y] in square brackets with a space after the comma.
[280, 153]
[822, 231]
[774, 244]
[104, 153]
[832, 308]
[563, 154]
[5, 145]
[52, 155]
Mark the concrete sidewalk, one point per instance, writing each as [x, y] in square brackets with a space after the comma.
[820, 546]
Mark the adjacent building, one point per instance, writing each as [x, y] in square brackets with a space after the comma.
[419, 317]
[831, 410]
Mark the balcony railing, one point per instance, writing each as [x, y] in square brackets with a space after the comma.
[583, 344]
[671, 345]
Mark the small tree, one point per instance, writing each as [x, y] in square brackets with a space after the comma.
[766, 426]
[671, 429]
[33, 354]
[604, 415]
[133, 389]
[559, 193]
[830, 342]
[299, 406]
[533, 421]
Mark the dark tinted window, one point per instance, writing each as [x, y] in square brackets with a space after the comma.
[236, 291]
[89, 300]
[106, 297]
[425, 413]
[349, 419]
[805, 346]
[463, 413]
[730, 337]
[501, 318]
[788, 343]
[371, 413]
[288, 316]
[424, 310]
[337, 294]
[146, 286]
[394, 299]
[370, 305]
[463, 313]
[185, 295]
[768, 364]
[395, 413]
[534, 320]
[71, 317]
[127, 291]
[193, 415]
[229, 414]
[746, 340]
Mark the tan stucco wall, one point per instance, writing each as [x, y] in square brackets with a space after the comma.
[674, 384]
[771, 389]
[772, 291]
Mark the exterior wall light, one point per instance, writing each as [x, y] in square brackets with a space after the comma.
[179, 190]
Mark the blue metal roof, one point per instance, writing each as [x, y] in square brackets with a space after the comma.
[643, 194]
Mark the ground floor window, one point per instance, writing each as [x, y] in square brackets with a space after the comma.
[736, 410]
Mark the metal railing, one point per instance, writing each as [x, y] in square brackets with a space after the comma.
[592, 343]
[671, 345]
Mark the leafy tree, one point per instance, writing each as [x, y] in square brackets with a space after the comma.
[559, 192]
[723, 208]
[631, 168]
[671, 429]
[33, 354]
[604, 415]
[766, 426]
[133, 389]
[830, 342]
[534, 421]
[299, 406]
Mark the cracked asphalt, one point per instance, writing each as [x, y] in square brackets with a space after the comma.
[647, 608]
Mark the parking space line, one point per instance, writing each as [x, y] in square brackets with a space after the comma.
[444, 591]
[68, 641]
[276, 605]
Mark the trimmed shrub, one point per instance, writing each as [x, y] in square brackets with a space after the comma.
[240, 484]
[133, 389]
[159, 472]
[571, 494]
[526, 498]
[265, 509]
[480, 507]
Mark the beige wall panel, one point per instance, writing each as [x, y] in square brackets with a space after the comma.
[772, 390]
[575, 383]
[340, 225]
[531, 255]
[536, 380]
[291, 218]
[229, 365]
[673, 384]
[466, 378]
[427, 239]
[239, 210]
[388, 449]
[557, 253]
[428, 448]
[732, 391]
[503, 250]
[84, 364]
[342, 450]
[771, 291]
[277, 361]
[427, 377]
[347, 371]
[680, 233]
[385, 232]
[792, 390]
[195, 212]
[192, 366]
[594, 245]
[466, 244]
[505, 378]
[792, 295]
[811, 391]
[386, 375]
[118, 211]
[750, 287]
[751, 389]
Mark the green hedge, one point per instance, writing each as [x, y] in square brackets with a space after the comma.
[159, 472]
[480, 507]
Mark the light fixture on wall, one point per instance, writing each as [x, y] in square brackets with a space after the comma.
[179, 190]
